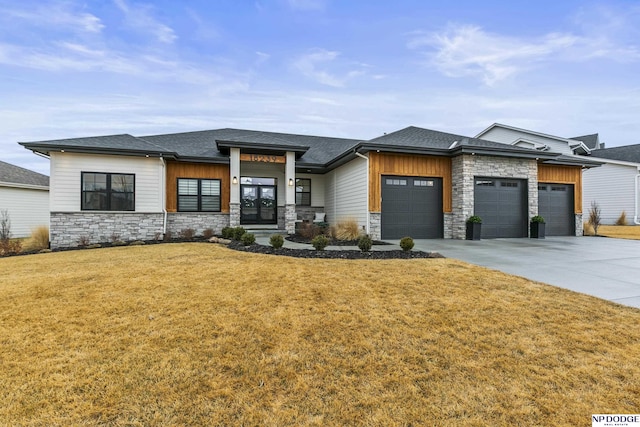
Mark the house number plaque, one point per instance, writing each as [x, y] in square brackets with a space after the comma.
[263, 158]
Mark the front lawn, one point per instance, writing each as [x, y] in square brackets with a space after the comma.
[618, 231]
[197, 334]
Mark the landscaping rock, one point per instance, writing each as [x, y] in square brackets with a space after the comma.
[137, 243]
[220, 240]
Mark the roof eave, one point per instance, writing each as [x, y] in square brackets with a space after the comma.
[47, 149]
[298, 149]
[25, 186]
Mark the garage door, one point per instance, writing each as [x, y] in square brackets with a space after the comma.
[412, 207]
[555, 205]
[502, 205]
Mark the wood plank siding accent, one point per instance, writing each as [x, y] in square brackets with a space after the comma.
[177, 170]
[408, 165]
[564, 175]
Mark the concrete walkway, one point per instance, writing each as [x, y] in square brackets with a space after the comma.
[603, 267]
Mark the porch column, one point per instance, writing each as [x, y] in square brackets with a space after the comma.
[234, 193]
[290, 193]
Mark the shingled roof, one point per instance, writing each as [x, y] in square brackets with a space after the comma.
[591, 141]
[627, 153]
[12, 174]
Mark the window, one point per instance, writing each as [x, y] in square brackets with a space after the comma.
[391, 181]
[303, 192]
[198, 195]
[422, 183]
[508, 184]
[108, 191]
[485, 183]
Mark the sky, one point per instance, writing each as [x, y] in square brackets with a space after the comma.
[353, 69]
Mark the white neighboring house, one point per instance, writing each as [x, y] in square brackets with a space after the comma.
[614, 186]
[24, 194]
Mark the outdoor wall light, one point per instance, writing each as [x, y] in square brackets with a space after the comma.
[234, 180]
[290, 182]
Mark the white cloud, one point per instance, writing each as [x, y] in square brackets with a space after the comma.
[60, 15]
[140, 17]
[327, 68]
[468, 50]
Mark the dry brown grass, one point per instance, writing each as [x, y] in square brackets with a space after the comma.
[347, 229]
[196, 334]
[618, 231]
[39, 239]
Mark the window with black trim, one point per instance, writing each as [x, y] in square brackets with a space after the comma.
[198, 195]
[108, 191]
[303, 192]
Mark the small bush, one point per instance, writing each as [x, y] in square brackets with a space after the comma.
[474, 219]
[39, 239]
[10, 246]
[347, 230]
[227, 232]
[537, 219]
[248, 239]
[157, 236]
[406, 243]
[187, 233]
[5, 225]
[208, 233]
[238, 232]
[622, 219]
[320, 242]
[167, 236]
[309, 231]
[114, 237]
[276, 240]
[83, 240]
[365, 243]
[594, 217]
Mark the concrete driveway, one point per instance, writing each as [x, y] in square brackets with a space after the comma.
[603, 267]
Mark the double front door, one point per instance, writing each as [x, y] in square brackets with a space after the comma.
[258, 204]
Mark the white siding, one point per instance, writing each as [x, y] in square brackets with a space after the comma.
[346, 193]
[509, 136]
[66, 171]
[27, 209]
[612, 186]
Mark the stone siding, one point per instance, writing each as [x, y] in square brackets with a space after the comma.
[578, 225]
[234, 214]
[375, 225]
[198, 221]
[67, 229]
[465, 168]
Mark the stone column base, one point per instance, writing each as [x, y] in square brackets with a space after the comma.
[234, 214]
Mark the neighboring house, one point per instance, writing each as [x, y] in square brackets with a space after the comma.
[613, 185]
[414, 182]
[24, 194]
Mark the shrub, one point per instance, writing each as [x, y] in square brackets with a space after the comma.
[5, 225]
[309, 231]
[114, 237]
[347, 230]
[187, 233]
[238, 232]
[406, 243]
[320, 242]
[83, 240]
[594, 217]
[208, 233]
[537, 219]
[365, 243]
[10, 246]
[474, 219]
[622, 219]
[276, 240]
[248, 239]
[157, 236]
[227, 232]
[39, 239]
[167, 236]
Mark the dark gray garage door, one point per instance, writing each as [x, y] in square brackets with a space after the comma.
[555, 205]
[412, 207]
[502, 205]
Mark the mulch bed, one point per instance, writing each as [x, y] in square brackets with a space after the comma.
[335, 254]
[332, 242]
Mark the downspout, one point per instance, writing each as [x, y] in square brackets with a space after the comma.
[635, 216]
[163, 192]
[362, 156]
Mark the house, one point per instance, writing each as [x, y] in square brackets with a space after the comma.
[613, 185]
[24, 195]
[414, 181]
